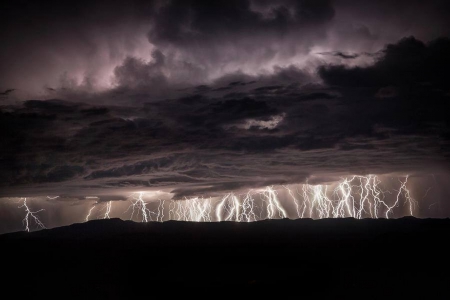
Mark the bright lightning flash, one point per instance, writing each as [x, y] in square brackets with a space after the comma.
[357, 196]
[30, 215]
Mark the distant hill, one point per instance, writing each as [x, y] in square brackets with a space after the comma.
[116, 259]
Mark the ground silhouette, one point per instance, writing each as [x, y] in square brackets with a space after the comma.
[279, 259]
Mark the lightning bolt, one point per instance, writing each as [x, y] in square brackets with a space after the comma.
[300, 209]
[160, 212]
[193, 209]
[270, 197]
[139, 207]
[402, 191]
[30, 214]
[248, 209]
[230, 206]
[89, 213]
[108, 210]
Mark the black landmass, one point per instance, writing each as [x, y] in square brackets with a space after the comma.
[405, 258]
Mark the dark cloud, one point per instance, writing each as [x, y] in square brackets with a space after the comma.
[195, 22]
[7, 92]
[91, 46]
[408, 62]
[47, 39]
[347, 55]
[384, 18]
[236, 109]
[35, 141]
[134, 72]
[269, 133]
[405, 89]
[106, 198]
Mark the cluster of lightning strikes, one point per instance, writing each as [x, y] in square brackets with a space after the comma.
[357, 196]
[102, 211]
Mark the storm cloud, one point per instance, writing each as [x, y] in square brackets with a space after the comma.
[202, 97]
[249, 136]
[59, 49]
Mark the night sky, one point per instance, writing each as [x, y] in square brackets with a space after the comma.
[107, 103]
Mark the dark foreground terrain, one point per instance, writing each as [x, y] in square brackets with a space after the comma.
[279, 259]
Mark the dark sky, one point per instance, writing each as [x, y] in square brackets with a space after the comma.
[197, 98]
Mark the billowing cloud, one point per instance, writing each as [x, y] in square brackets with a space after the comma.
[93, 46]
